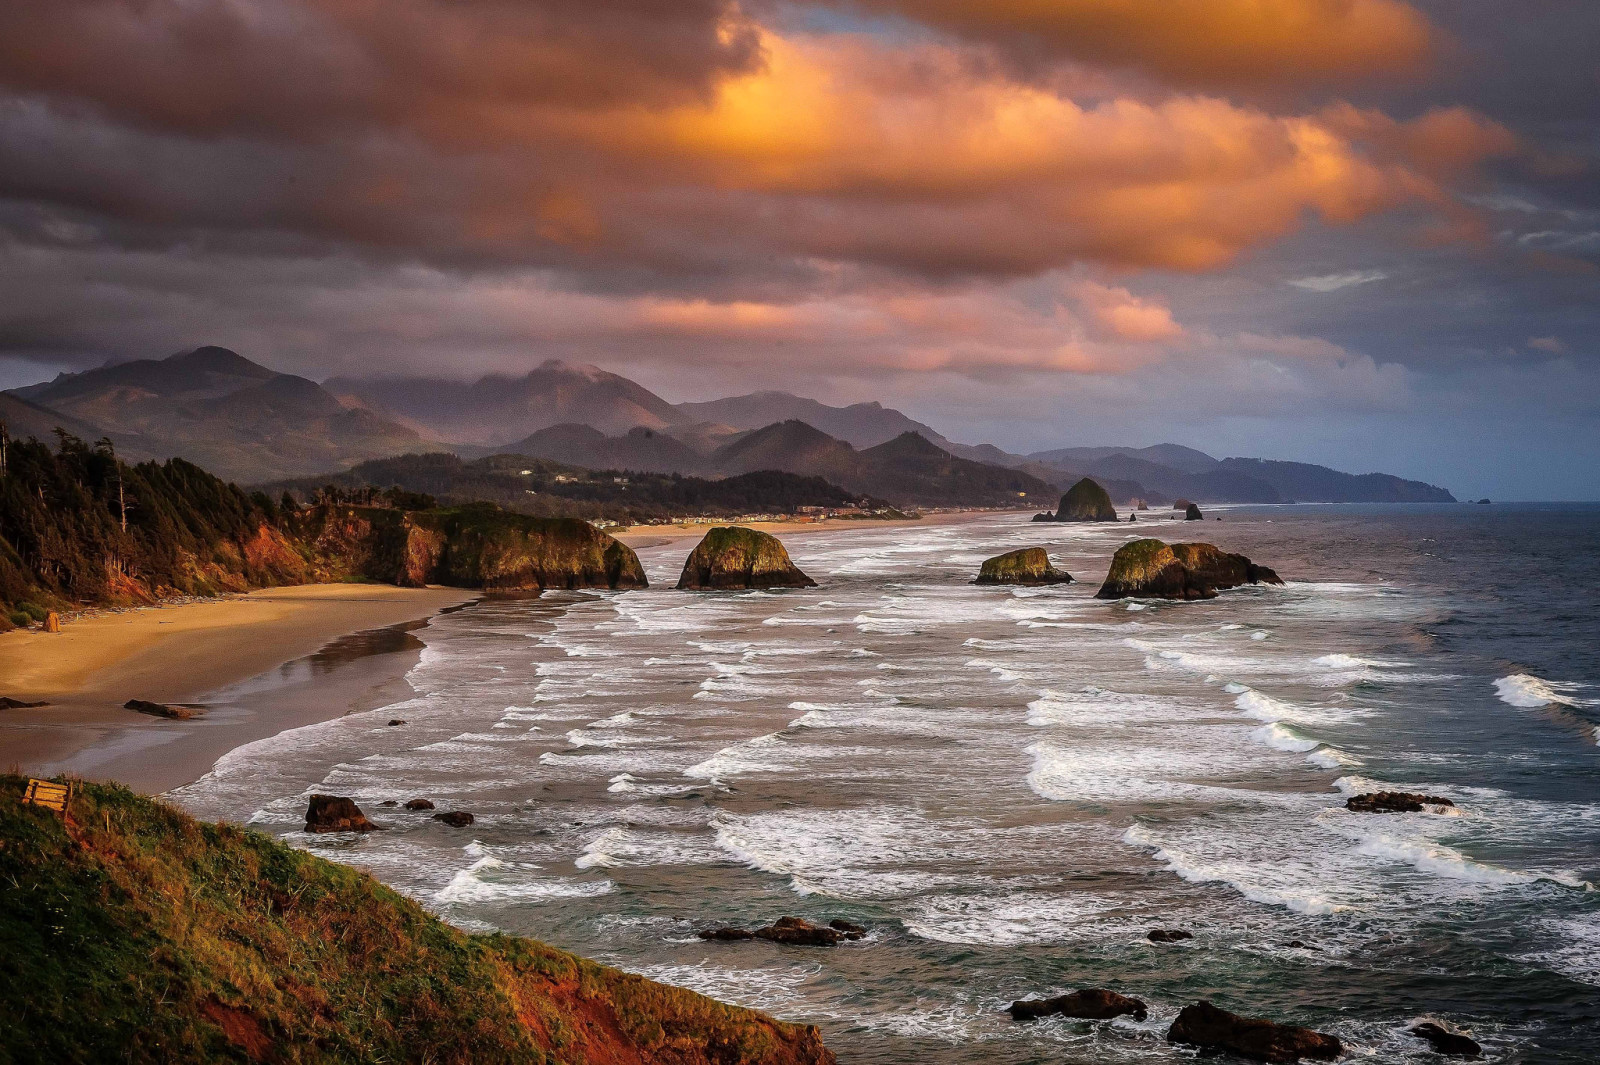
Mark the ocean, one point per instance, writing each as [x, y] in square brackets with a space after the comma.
[1011, 787]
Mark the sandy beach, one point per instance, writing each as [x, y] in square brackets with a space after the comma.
[193, 653]
[654, 535]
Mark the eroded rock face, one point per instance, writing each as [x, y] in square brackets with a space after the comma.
[1086, 501]
[335, 813]
[1092, 1003]
[1394, 802]
[1447, 1042]
[1154, 569]
[1213, 1028]
[735, 557]
[167, 710]
[1031, 565]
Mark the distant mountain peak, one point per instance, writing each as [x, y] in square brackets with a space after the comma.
[210, 358]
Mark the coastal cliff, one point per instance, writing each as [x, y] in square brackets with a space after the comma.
[135, 933]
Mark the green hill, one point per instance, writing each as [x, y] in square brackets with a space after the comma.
[141, 935]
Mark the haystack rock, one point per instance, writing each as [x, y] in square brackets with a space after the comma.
[735, 557]
[335, 813]
[1155, 570]
[1031, 565]
[1192, 513]
[1086, 501]
[1091, 1003]
[1212, 1028]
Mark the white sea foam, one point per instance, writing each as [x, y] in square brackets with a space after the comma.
[491, 880]
[1002, 918]
[1526, 690]
[1283, 739]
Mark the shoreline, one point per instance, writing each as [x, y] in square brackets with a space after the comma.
[642, 536]
[319, 651]
[261, 663]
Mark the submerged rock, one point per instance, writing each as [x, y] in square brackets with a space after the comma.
[1192, 513]
[396, 721]
[794, 931]
[419, 804]
[1091, 1003]
[455, 818]
[1086, 501]
[1445, 1041]
[335, 813]
[1394, 802]
[1031, 565]
[169, 710]
[1168, 935]
[1211, 1027]
[1154, 569]
[735, 557]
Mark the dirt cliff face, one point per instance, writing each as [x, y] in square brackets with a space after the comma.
[134, 933]
[1157, 570]
[734, 557]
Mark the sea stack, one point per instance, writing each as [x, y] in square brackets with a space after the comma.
[1192, 513]
[1030, 565]
[1086, 501]
[1151, 569]
[735, 557]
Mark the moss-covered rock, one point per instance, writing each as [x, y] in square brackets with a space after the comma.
[1086, 501]
[1156, 570]
[136, 934]
[734, 557]
[1030, 565]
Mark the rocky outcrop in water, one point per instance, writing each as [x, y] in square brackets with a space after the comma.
[1091, 1003]
[1444, 1041]
[1192, 513]
[168, 710]
[1212, 1028]
[18, 704]
[794, 931]
[455, 818]
[1168, 935]
[1084, 501]
[418, 804]
[335, 813]
[735, 557]
[1157, 570]
[1394, 802]
[1031, 565]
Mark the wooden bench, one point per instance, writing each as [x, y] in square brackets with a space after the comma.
[49, 795]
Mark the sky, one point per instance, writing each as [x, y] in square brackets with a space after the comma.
[1358, 232]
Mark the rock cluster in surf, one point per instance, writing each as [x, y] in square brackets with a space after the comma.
[1084, 501]
[1156, 570]
[335, 813]
[1090, 1003]
[168, 710]
[1030, 565]
[794, 931]
[1213, 1028]
[1393, 802]
[731, 556]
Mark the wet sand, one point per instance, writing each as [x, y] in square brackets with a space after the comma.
[261, 663]
[642, 536]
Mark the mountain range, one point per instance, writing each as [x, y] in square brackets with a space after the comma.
[251, 424]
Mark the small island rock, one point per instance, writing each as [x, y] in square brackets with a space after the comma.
[1211, 1027]
[1091, 1003]
[1156, 570]
[1444, 1041]
[1030, 565]
[1085, 501]
[335, 813]
[173, 711]
[736, 557]
[419, 804]
[1394, 802]
[455, 818]
[1192, 513]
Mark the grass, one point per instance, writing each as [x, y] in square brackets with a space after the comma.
[139, 934]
